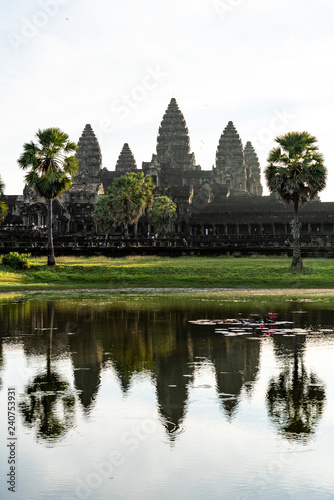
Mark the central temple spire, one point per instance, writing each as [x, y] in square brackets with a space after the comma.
[173, 144]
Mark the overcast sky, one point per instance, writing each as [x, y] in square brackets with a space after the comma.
[267, 65]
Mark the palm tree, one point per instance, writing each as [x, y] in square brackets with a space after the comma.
[3, 206]
[297, 173]
[52, 168]
[125, 201]
[163, 212]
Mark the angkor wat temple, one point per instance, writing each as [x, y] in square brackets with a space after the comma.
[225, 201]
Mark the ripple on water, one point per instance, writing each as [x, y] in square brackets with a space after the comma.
[173, 430]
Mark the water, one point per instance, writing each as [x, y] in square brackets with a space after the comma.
[119, 397]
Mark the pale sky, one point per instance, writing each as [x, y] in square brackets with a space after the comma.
[267, 65]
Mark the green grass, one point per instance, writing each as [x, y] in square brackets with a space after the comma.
[188, 272]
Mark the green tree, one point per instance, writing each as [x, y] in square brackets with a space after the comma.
[163, 212]
[297, 173]
[52, 168]
[125, 201]
[101, 213]
[3, 205]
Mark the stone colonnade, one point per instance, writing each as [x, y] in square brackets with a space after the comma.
[256, 229]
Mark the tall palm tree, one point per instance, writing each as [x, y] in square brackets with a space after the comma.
[3, 205]
[296, 171]
[52, 168]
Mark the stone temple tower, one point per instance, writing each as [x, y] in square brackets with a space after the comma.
[230, 162]
[173, 143]
[254, 185]
[78, 201]
[126, 161]
[89, 158]
[173, 158]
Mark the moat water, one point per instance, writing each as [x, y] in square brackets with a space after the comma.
[118, 396]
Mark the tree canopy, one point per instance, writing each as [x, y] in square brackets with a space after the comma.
[163, 212]
[296, 168]
[51, 161]
[125, 201]
[296, 172]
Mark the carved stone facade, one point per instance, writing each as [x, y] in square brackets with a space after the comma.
[230, 162]
[172, 165]
[78, 202]
[237, 172]
[89, 158]
[253, 183]
[126, 161]
[230, 194]
[72, 211]
[173, 143]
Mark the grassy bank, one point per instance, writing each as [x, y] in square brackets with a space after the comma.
[189, 272]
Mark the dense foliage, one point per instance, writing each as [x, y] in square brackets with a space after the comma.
[163, 212]
[16, 260]
[125, 201]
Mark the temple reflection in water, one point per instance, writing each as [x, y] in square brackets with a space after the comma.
[159, 343]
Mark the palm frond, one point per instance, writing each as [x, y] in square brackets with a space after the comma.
[51, 167]
[296, 167]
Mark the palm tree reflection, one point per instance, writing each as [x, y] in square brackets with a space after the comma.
[295, 398]
[49, 402]
[48, 406]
